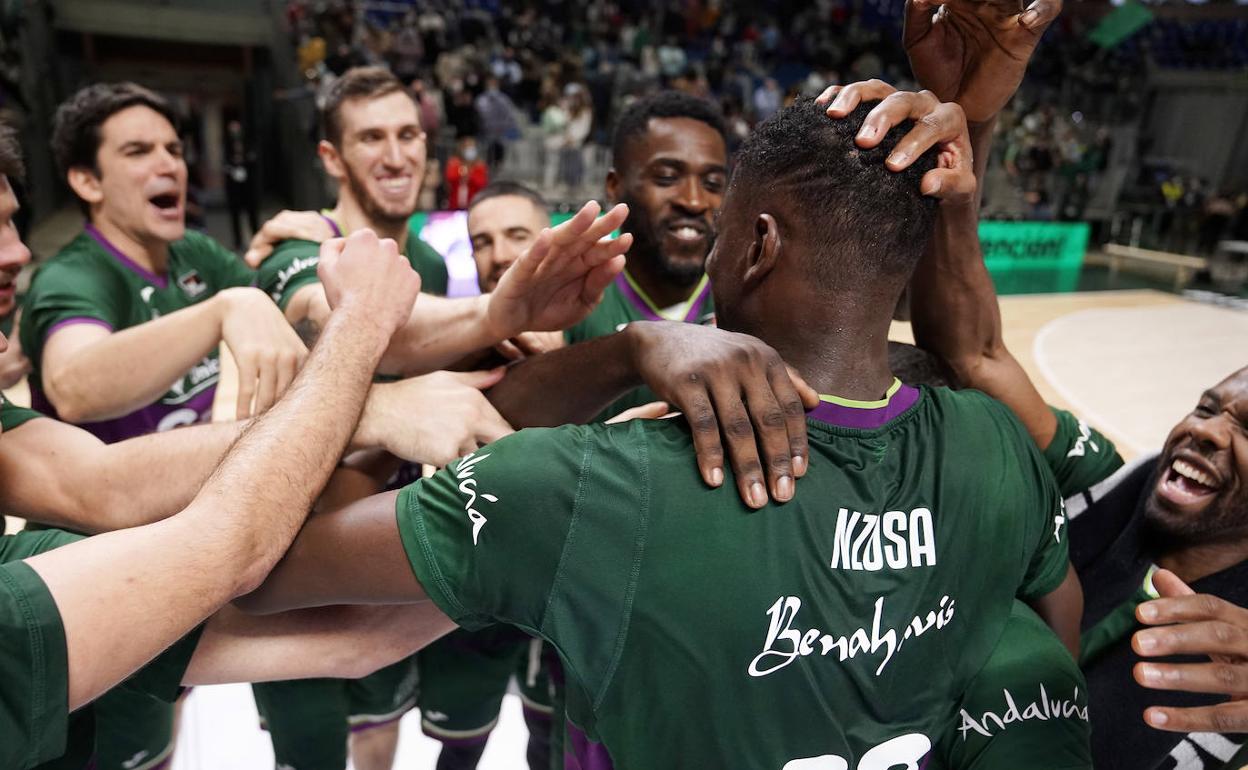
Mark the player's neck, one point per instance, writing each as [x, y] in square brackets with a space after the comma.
[840, 350]
[350, 217]
[660, 289]
[151, 255]
[1198, 561]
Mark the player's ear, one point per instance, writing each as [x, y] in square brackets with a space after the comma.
[85, 183]
[613, 187]
[764, 250]
[330, 159]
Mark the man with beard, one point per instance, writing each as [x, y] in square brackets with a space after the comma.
[670, 165]
[660, 595]
[375, 149]
[1146, 531]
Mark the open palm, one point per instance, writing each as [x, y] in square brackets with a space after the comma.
[974, 52]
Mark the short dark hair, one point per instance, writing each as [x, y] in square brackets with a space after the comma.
[868, 222]
[11, 164]
[503, 188]
[356, 83]
[635, 121]
[76, 128]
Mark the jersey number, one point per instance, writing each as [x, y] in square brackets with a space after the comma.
[904, 750]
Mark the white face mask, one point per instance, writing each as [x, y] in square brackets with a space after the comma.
[470, 154]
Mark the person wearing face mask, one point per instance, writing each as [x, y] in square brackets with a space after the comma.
[466, 174]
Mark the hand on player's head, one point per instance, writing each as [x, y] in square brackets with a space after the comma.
[1183, 622]
[558, 280]
[937, 124]
[362, 273]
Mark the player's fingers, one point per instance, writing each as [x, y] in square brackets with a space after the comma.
[740, 443]
[790, 401]
[651, 411]
[771, 429]
[849, 97]
[809, 396]
[1169, 584]
[894, 109]
[828, 94]
[509, 350]
[568, 232]
[246, 385]
[1208, 637]
[946, 124]
[952, 186]
[1223, 718]
[1040, 15]
[257, 253]
[917, 21]
[266, 386]
[1188, 609]
[1224, 678]
[491, 427]
[604, 225]
[483, 379]
[695, 403]
[598, 279]
[287, 368]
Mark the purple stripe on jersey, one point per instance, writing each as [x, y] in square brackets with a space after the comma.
[695, 308]
[632, 296]
[333, 226]
[582, 753]
[149, 419]
[134, 267]
[78, 319]
[865, 419]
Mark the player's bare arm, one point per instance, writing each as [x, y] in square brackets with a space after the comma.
[554, 285]
[1183, 622]
[62, 476]
[238, 526]
[92, 373]
[735, 391]
[342, 641]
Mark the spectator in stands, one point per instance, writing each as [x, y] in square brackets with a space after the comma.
[580, 122]
[497, 114]
[768, 98]
[466, 174]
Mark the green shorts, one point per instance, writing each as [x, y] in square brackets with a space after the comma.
[464, 676]
[310, 720]
[34, 670]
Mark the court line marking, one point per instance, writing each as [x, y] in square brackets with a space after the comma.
[1081, 408]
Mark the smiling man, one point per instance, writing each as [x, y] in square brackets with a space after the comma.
[670, 165]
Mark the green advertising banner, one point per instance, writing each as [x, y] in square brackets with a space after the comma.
[1022, 257]
[1034, 257]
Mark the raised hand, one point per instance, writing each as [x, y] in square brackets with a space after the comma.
[937, 124]
[366, 274]
[1187, 623]
[974, 52]
[561, 277]
[736, 385]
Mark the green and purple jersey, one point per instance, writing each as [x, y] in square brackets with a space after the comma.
[841, 626]
[91, 281]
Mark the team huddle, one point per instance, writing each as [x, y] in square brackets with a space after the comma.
[678, 485]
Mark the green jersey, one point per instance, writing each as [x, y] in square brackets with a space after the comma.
[34, 664]
[1079, 456]
[1027, 708]
[623, 303]
[844, 624]
[91, 281]
[292, 265]
[12, 415]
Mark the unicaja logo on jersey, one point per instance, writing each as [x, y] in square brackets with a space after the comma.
[468, 485]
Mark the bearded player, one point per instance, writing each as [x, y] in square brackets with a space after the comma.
[873, 586]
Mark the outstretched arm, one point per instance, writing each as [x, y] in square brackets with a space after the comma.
[346, 642]
[167, 577]
[717, 379]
